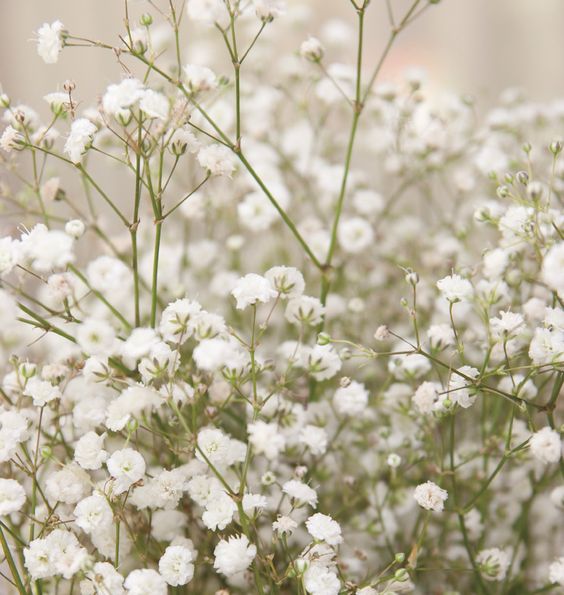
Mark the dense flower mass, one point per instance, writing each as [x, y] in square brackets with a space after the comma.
[305, 335]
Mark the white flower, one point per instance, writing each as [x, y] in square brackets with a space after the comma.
[11, 139]
[460, 389]
[178, 320]
[57, 554]
[320, 580]
[127, 467]
[41, 391]
[547, 346]
[107, 271]
[304, 309]
[75, 228]
[455, 289]
[506, 325]
[300, 492]
[351, 399]
[132, 402]
[284, 525]
[10, 254]
[93, 513]
[81, 135]
[323, 528]
[493, 563]
[267, 10]
[214, 354]
[104, 579]
[208, 326]
[96, 337]
[162, 362]
[253, 502]
[367, 202]
[314, 438]
[183, 140]
[145, 581]
[430, 496]
[69, 485]
[154, 105]
[441, 335]
[57, 101]
[50, 41]
[323, 362]
[89, 451]
[168, 524]
[208, 11]
[176, 565]
[217, 160]
[266, 439]
[118, 98]
[426, 397]
[355, 235]
[556, 572]
[139, 343]
[199, 78]
[311, 49]
[234, 555]
[46, 249]
[251, 289]
[219, 511]
[552, 267]
[214, 446]
[287, 281]
[12, 496]
[546, 445]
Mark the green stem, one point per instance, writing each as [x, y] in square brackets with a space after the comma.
[12, 565]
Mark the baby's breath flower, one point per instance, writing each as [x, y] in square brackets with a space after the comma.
[430, 496]
[50, 41]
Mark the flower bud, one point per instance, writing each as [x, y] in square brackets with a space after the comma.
[75, 228]
[502, 191]
[412, 277]
[382, 333]
[534, 190]
[27, 369]
[268, 478]
[401, 575]
[132, 426]
[522, 177]
[312, 50]
[393, 460]
[323, 339]
[146, 19]
[399, 558]
[555, 147]
[301, 565]
[345, 381]
[124, 117]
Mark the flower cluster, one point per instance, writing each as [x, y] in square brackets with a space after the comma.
[317, 345]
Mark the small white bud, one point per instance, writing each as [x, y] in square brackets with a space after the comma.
[75, 228]
[312, 50]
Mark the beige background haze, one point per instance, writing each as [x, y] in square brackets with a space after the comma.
[471, 46]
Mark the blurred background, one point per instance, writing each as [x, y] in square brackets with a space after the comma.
[479, 47]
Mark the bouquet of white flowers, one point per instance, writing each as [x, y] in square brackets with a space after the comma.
[271, 325]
